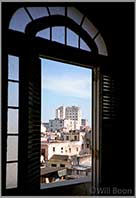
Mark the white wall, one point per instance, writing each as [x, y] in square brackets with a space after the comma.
[65, 151]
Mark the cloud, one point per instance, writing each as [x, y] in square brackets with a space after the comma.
[75, 85]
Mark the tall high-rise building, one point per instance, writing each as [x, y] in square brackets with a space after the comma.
[60, 112]
[72, 115]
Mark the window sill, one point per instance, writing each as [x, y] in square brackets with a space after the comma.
[69, 182]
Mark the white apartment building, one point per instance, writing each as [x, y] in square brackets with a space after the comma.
[61, 148]
[66, 117]
[73, 113]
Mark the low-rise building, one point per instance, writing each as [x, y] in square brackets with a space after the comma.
[61, 148]
[62, 161]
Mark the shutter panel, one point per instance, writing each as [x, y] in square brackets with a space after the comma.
[110, 104]
[110, 99]
[30, 123]
[34, 121]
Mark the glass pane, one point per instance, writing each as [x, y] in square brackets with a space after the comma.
[74, 14]
[12, 148]
[89, 28]
[37, 12]
[11, 175]
[101, 45]
[72, 38]
[19, 20]
[57, 10]
[13, 67]
[44, 33]
[12, 120]
[13, 94]
[84, 46]
[58, 34]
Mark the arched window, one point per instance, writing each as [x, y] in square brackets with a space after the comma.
[75, 29]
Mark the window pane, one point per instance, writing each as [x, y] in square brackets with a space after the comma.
[11, 175]
[57, 10]
[44, 33]
[58, 34]
[84, 46]
[13, 67]
[89, 28]
[72, 38]
[13, 94]
[37, 12]
[12, 120]
[12, 148]
[101, 45]
[19, 20]
[74, 14]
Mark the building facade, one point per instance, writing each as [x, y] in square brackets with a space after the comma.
[61, 148]
[66, 117]
[60, 112]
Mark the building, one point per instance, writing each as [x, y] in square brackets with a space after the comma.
[73, 113]
[61, 148]
[60, 124]
[62, 161]
[84, 122]
[66, 117]
[71, 136]
[43, 128]
[60, 112]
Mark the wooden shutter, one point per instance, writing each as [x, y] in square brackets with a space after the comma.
[110, 105]
[30, 121]
[110, 99]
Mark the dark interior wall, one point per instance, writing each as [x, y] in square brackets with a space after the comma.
[116, 24]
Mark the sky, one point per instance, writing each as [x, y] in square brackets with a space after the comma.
[67, 85]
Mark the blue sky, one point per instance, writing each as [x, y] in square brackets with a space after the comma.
[65, 84]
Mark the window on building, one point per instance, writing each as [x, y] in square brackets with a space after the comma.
[67, 137]
[87, 145]
[61, 149]
[62, 165]
[75, 137]
[53, 149]
[54, 165]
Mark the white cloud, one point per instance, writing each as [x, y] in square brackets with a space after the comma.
[71, 85]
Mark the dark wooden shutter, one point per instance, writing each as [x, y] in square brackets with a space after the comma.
[30, 121]
[110, 97]
[110, 105]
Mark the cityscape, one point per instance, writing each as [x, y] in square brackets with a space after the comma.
[65, 146]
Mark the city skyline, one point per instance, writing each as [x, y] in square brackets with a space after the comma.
[65, 85]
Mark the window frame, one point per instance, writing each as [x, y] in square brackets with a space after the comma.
[15, 52]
